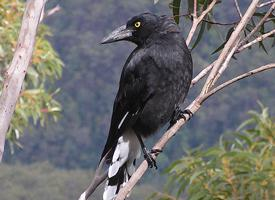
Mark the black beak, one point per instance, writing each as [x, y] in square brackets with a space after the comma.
[118, 34]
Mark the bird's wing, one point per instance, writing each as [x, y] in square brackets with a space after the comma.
[134, 91]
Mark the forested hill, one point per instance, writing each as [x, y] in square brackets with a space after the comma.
[91, 76]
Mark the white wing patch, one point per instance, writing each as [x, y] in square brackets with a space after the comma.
[121, 122]
[127, 151]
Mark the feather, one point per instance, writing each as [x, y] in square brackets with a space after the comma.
[123, 163]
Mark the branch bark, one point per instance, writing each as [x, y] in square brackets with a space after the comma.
[262, 21]
[229, 45]
[266, 3]
[16, 72]
[197, 20]
[258, 39]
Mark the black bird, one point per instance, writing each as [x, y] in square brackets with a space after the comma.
[154, 82]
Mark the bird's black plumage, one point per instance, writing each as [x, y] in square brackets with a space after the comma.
[155, 78]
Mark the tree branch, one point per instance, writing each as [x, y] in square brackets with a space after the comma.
[15, 74]
[258, 39]
[197, 20]
[238, 8]
[229, 45]
[202, 74]
[266, 3]
[262, 21]
[242, 76]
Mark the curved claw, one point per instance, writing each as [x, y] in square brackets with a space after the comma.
[187, 112]
[149, 158]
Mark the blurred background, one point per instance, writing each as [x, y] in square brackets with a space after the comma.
[56, 161]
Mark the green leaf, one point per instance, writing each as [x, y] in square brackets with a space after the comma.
[176, 10]
[229, 32]
[199, 35]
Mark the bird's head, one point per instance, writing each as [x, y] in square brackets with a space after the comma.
[139, 28]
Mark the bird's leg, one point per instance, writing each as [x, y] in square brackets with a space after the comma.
[148, 154]
[178, 114]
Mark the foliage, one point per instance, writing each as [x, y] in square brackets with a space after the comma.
[240, 167]
[36, 102]
[212, 21]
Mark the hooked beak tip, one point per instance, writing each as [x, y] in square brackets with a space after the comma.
[118, 34]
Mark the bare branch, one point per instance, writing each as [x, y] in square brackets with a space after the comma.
[208, 21]
[266, 3]
[229, 45]
[226, 61]
[258, 39]
[261, 22]
[50, 12]
[195, 14]
[201, 74]
[15, 74]
[247, 74]
[196, 21]
[238, 8]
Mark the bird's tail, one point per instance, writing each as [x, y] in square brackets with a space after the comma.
[123, 164]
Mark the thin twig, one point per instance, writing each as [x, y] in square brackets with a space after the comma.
[229, 45]
[195, 9]
[261, 22]
[258, 39]
[266, 3]
[201, 74]
[197, 20]
[238, 8]
[221, 23]
[247, 74]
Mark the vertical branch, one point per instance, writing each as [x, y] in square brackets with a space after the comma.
[229, 45]
[197, 20]
[195, 15]
[15, 74]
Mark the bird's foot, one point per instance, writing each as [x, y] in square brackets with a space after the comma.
[185, 112]
[179, 114]
[149, 157]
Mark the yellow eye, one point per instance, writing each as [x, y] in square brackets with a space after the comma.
[137, 24]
